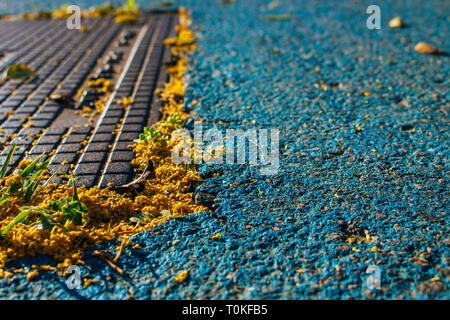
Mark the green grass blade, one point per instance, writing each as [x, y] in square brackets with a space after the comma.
[7, 160]
[131, 5]
[30, 191]
[46, 183]
[26, 172]
[19, 218]
[75, 194]
[37, 173]
[4, 199]
[14, 187]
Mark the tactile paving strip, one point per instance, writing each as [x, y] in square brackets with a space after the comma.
[63, 60]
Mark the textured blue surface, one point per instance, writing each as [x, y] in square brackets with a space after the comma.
[389, 179]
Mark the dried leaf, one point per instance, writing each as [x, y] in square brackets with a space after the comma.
[277, 17]
[62, 98]
[149, 173]
[20, 71]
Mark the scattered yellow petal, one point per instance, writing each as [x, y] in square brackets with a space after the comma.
[182, 276]
[88, 282]
[435, 279]
[32, 274]
[217, 236]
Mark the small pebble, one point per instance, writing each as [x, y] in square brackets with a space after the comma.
[426, 48]
[396, 22]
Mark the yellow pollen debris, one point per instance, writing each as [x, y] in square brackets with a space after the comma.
[217, 236]
[108, 212]
[435, 279]
[182, 276]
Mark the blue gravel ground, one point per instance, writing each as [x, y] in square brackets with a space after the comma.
[352, 164]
